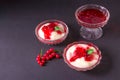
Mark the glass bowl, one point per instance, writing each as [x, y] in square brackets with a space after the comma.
[92, 17]
[51, 31]
[82, 55]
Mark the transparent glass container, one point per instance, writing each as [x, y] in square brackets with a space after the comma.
[66, 59]
[49, 41]
[92, 31]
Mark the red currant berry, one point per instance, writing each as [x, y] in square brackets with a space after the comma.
[53, 54]
[51, 49]
[38, 62]
[48, 52]
[37, 59]
[42, 61]
[57, 56]
[38, 56]
[47, 58]
[89, 58]
[88, 48]
[59, 32]
[41, 64]
[45, 55]
[50, 56]
[43, 58]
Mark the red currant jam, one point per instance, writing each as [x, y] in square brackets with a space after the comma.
[91, 16]
[50, 28]
[81, 52]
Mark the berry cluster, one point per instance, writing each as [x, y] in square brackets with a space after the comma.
[50, 54]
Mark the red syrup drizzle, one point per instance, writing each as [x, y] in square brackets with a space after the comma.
[81, 52]
[91, 16]
[49, 29]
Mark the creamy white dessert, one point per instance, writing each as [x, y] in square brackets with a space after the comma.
[81, 62]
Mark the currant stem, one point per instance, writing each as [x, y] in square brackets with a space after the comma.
[41, 52]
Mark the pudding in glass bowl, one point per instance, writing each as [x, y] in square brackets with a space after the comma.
[51, 31]
[82, 56]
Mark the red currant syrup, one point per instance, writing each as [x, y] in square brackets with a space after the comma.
[81, 52]
[92, 16]
[49, 29]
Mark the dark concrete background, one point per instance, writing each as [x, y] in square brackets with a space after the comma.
[19, 45]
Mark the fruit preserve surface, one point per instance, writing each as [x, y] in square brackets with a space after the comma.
[92, 16]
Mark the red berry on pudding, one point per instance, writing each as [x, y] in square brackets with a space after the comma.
[82, 56]
[51, 31]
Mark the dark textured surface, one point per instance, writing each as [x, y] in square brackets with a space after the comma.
[19, 45]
